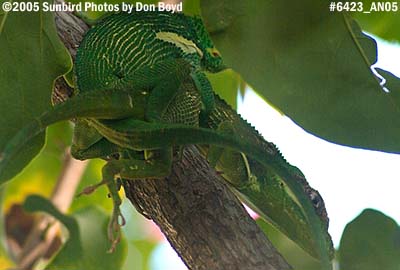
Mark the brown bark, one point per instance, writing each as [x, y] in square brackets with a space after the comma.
[202, 219]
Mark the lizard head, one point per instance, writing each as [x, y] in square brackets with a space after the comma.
[195, 43]
[211, 59]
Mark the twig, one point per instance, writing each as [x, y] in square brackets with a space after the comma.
[46, 228]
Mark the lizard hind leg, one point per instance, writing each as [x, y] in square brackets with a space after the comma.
[236, 167]
[157, 165]
[215, 153]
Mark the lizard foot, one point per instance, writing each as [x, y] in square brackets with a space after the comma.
[114, 228]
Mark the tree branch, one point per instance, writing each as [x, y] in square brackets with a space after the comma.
[204, 222]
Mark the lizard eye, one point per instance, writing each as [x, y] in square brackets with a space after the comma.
[215, 54]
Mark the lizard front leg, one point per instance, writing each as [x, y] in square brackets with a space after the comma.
[165, 81]
[160, 83]
[205, 90]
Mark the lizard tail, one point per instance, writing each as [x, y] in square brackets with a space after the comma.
[97, 104]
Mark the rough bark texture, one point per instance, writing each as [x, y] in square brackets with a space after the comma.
[202, 219]
[204, 222]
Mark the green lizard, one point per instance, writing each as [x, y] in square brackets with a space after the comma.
[144, 72]
[256, 184]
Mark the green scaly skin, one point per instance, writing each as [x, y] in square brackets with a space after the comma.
[257, 185]
[133, 41]
[141, 92]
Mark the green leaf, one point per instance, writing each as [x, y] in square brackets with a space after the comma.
[139, 254]
[87, 245]
[31, 57]
[226, 84]
[142, 238]
[73, 246]
[383, 24]
[43, 172]
[312, 64]
[370, 242]
[39, 177]
[191, 7]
